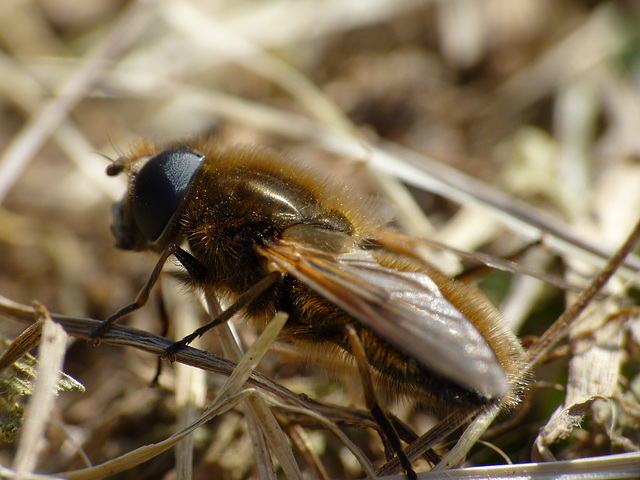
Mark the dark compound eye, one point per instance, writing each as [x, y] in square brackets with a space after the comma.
[160, 187]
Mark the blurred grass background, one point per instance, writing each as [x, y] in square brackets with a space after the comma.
[535, 98]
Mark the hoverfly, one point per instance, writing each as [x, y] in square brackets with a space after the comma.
[275, 236]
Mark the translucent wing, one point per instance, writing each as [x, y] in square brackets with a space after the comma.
[405, 308]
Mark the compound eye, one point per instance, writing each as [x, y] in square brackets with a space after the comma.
[160, 187]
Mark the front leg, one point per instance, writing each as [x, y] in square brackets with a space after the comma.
[193, 266]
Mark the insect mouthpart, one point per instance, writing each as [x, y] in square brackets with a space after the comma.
[121, 228]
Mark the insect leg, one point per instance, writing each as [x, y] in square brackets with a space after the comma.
[242, 301]
[372, 402]
[186, 259]
[164, 322]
